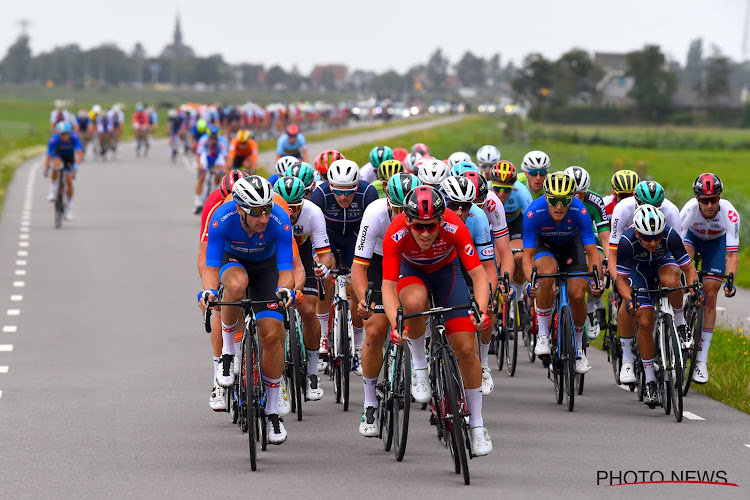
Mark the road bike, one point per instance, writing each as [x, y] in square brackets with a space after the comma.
[340, 335]
[295, 365]
[61, 197]
[507, 328]
[611, 339]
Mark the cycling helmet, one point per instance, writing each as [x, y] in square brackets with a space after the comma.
[283, 163]
[410, 162]
[581, 178]
[227, 182]
[424, 202]
[291, 189]
[400, 154]
[420, 148]
[624, 181]
[488, 155]
[213, 131]
[649, 193]
[201, 125]
[559, 184]
[649, 220]
[463, 166]
[302, 171]
[324, 160]
[458, 189]
[344, 173]
[243, 136]
[707, 184]
[389, 168]
[96, 109]
[480, 183]
[399, 186]
[63, 127]
[535, 160]
[504, 172]
[139, 107]
[380, 154]
[292, 130]
[432, 172]
[172, 113]
[252, 191]
[458, 157]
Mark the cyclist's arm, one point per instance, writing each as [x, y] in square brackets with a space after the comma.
[733, 261]
[604, 237]
[624, 254]
[677, 249]
[480, 281]
[359, 279]
[529, 244]
[280, 147]
[592, 257]
[299, 274]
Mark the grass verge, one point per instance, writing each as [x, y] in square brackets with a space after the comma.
[8, 165]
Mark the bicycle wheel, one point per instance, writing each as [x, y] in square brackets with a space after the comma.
[401, 401]
[345, 352]
[673, 367]
[665, 398]
[612, 343]
[640, 377]
[690, 354]
[454, 416]
[555, 362]
[296, 356]
[511, 334]
[386, 401]
[249, 380]
[60, 199]
[580, 377]
[569, 355]
[502, 336]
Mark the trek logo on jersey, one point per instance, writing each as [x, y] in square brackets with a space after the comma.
[399, 234]
[469, 249]
[733, 217]
[451, 228]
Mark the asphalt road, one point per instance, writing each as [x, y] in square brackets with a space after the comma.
[105, 378]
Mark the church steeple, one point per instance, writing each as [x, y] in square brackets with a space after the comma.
[177, 32]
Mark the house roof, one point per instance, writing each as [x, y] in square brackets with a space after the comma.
[610, 61]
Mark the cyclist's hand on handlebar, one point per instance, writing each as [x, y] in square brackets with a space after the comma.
[206, 296]
[298, 297]
[532, 292]
[596, 287]
[322, 271]
[46, 172]
[287, 296]
[508, 295]
[630, 307]
[484, 321]
[362, 309]
[698, 298]
[729, 291]
[399, 339]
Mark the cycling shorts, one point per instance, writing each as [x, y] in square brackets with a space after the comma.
[645, 275]
[570, 256]
[207, 164]
[263, 277]
[713, 252]
[515, 228]
[448, 289]
[67, 161]
[375, 274]
[345, 247]
[306, 254]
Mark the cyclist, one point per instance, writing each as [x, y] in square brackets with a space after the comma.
[422, 250]
[211, 151]
[140, 126]
[104, 131]
[711, 227]
[175, 123]
[400, 154]
[487, 156]
[432, 172]
[458, 157]
[243, 152]
[421, 149]
[251, 241]
[558, 236]
[63, 149]
[410, 162]
[490, 203]
[323, 162]
[343, 200]
[387, 169]
[309, 229]
[535, 166]
[281, 165]
[117, 117]
[378, 155]
[60, 114]
[623, 185]
[648, 253]
[368, 266]
[595, 308]
[292, 143]
[197, 131]
[305, 173]
[85, 127]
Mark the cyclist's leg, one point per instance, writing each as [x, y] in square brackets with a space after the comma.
[234, 278]
[412, 293]
[546, 263]
[310, 323]
[376, 330]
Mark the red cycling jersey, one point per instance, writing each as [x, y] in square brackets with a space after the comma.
[454, 238]
[214, 201]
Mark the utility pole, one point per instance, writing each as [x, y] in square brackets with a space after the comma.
[24, 24]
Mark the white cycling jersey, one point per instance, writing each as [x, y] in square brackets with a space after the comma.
[367, 173]
[62, 115]
[622, 218]
[726, 221]
[495, 212]
[375, 222]
[312, 223]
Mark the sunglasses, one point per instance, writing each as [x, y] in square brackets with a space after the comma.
[709, 200]
[456, 206]
[429, 227]
[537, 172]
[343, 192]
[258, 211]
[295, 208]
[559, 200]
[501, 189]
[649, 238]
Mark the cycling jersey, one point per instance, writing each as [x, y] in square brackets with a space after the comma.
[140, 119]
[597, 211]
[103, 123]
[174, 124]
[61, 115]
[539, 223]
[378, 185]
[343, 223]
[622, 218]
[311, 224]
[57, 148]
[83, 122]
[726, 222]
[479, 228]
[493, 208]
[117, 118]
[213, 201]
[218, 148]
[367, 173]
[284, 148]
[243, 149]
[518, 201]
[609, 205]
[375, 222]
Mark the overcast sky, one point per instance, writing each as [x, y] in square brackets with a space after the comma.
[391, 34]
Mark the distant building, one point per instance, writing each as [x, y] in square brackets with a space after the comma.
[614, 86]
[329, 74]
[689, 99]
[177, 49]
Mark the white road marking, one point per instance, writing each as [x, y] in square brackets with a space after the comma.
[1, 394]
[21, 262]
[691, 415]
[6, 347]
[25, 223]
[3, 369]
[719, 308]
[16, 298]
[24, 236]
[23, 244]
[19, 284]
[20, 272]
[23, 253]
[24, 229]
[10, 329]
[748, 445]
[14, 312]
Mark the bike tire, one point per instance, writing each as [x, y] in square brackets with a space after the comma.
[690, 356]
[456, 421]
[580, 377]
[401, 401]
[511, 334]
[60, 199]
[614, 349]
[665, 397]
[674, 369]
[502, 336]
[640, 378]
[251, 398]
[530, 316]
[346, 355]
[569, 355]
[296, 395]
[555, 363]
[386, 414]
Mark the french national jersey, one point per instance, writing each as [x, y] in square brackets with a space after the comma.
[622, 218]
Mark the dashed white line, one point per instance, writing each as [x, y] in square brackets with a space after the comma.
[6, 347]
[3, 369]
[25, 223]
[10, 329]
[20, 272]
[691, 416]
[19, 284]
[23, 244]
[23, 236]
[24, 229]
[1, 394]
[23, 253]
[14, 312]
[16, 298]
[719, 308]
[21, 262]
[748, 445]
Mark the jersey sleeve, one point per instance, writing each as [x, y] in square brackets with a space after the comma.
[465, 248]
[76, 142]
[51, 146]
[302, 142]
[319, 233]
[675, 246]
[598, 213]
[319, 198]
[672, 214]
[392, 252]
[732, 224]
[371, 194]
[624, 257]
[284, 242]
[215, 246]
[280, 145]
[482, 237]
[367, 237]
[616, 228]
[685, 219]
[585, 227]
[529, 230]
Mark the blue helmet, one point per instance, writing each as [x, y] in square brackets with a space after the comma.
[63, 127]
[213, 131]
[463, 166]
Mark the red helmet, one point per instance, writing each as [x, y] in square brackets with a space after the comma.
[325, 159]
[400, 154]
[292, 130]
[480, 182]
[227, 182]
[420, 148]
[707, 184]
[424, 202]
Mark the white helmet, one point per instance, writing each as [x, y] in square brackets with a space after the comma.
[344, 173]
[410, 162]
[581, 178]
[433, 172]
[535, 160]
[458, 157]
[252, 191]
[649, 220]
[96, 109]
[458, 188]
[283, 163]
[488, 155]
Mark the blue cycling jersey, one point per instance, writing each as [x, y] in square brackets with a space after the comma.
[539, 223]
[273, 179]
[518, 201]
[343, 222]
[630, 250]
[226, 234]
[284, 148]
[58, 148]
[481, 236]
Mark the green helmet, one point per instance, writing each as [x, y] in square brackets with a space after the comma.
[290, 188]
[302, 171]
[201, 125]
[380, 154]
[399, 186]
[649, 193]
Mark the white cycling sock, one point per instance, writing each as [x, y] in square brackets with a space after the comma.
[312, 362]
[70, 205]
[273, 386]
[474, 406]
[484, 351]
[706, 336]
[543, 317]
[359, 334]
[519, 290]
[579, 337]
[323, 319]
[627, 350]
[197, 200]
[427, 330]
[679, 316]
[370, 384]
[418, 355]
[216, 368]
[227, 335]
[52, 186]
[590, 306]
[648, 369]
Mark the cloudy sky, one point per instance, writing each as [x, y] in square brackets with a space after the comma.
[391, 34]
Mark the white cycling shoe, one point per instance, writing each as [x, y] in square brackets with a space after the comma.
[216, 401]
[51, 196]
[69, 214]
[481, 444]
[367, 426]
[225, 371]
[285, 408]
[627, 373]
[275, 429]
[542, 345]
[357, 361]
[592, 326]
[582, 364]
[313, 391]
[487, 383]
[420, 387]
[701, 372]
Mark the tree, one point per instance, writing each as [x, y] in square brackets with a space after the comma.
[16, 66]
[437, 69]
[276, 75]
[138, 55]
[211, 70]
[716, 71]
[694, 63]
[388, 82]
[494, 71]
[535, 78]
[471, 71]
[654, 85]
[575, 77]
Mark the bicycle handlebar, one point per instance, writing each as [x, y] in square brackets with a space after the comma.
[368, 295]
[696, 287]
[564, 275]
[243, 303]
[400, 317]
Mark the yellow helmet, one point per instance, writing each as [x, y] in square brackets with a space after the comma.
[559, 184]
[388, 169]
[624, 181]
[243, 135]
